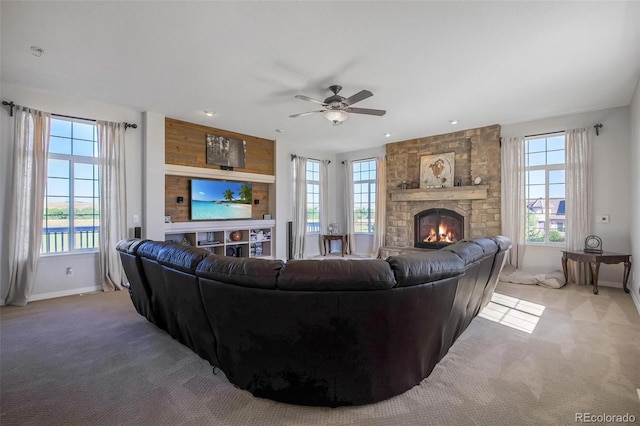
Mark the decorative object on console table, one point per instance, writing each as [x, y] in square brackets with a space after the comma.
[436, 171]
[593, 244]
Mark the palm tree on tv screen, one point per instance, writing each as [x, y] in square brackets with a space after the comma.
[228, 195]
[245, 193]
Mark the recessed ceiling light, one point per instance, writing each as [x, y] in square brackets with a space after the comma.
[208, 113]
[453, 121]
[387, 135]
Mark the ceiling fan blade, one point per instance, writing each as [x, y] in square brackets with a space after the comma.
[306, 98]
[361, 95]
[368, 111]
[304, 113]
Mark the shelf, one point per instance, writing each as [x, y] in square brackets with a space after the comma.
[207, 173]
[215, 236]
[475, 192]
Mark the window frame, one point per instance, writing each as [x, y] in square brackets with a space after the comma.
[313, 184]
[547, 169]
[371, 202]
[73, 160]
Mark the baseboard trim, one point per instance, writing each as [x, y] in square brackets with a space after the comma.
[635, 297]
[71, 292]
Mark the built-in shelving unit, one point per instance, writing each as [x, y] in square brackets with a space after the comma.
[237, 238]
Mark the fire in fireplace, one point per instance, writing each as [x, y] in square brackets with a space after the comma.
[436, 228]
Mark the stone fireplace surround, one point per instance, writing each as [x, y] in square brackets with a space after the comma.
[477, 154]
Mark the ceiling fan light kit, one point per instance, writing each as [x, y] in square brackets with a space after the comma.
[336, 116]
[337, 108]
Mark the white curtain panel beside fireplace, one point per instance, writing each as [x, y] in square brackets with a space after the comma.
[512, 163]
[381, 206]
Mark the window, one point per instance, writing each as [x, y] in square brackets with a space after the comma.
[545, 189]
[364, 196]
[72, 195]
[313, 196]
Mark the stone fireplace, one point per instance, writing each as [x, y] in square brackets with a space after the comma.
[477, 155]
[437, 228]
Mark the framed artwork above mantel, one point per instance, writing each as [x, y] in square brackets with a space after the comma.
[436, 171]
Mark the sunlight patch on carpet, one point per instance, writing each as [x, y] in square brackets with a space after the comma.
[513, 312]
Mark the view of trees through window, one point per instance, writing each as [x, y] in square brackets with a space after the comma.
[72, 196]
[364, 196]
[545, 188]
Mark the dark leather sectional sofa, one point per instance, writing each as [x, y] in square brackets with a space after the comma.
[315, 332]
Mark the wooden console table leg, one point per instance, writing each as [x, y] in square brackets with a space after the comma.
[627, 270]
[564, 268]
[595, 269]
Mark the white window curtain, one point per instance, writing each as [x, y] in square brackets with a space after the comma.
[579, 186]
[381, 206]
[512, 164]
[324, 199]
[299, 206]
[113, 202]
[31, 148]
[348, 204]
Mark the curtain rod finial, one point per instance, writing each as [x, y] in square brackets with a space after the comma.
[598, 127]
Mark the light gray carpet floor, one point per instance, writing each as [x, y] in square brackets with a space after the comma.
[92, 360]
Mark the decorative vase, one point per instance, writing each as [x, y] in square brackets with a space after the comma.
[235, 236]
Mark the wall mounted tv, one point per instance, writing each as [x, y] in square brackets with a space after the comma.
[220, 200]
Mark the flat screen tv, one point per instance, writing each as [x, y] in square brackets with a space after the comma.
[220, 200]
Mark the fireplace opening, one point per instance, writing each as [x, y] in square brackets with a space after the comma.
[437, 228]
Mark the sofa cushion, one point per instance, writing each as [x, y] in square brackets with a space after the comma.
[336, 274]
[150, 249]
[417, 268]
[257, 273]
[129, 245]
[182, 258]
[469, 251]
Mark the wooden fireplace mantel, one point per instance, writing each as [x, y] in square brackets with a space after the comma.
[472, 192]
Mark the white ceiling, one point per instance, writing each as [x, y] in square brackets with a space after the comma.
[426, 63]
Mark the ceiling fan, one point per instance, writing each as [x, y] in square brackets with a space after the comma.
[337, 108]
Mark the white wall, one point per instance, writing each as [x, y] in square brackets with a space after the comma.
[51, 279]
[611, 185]
[634, 195]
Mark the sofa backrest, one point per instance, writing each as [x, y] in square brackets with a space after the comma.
[416, 268]
[336, 274]
[258, 273]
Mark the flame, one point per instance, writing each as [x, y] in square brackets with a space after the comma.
[443, 235]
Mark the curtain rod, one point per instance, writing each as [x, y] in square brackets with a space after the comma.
[597, 126]
[11, 105]
[294, 156]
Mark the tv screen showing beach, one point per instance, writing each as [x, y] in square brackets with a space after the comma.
[218, 200]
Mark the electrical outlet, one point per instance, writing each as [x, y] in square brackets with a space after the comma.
[603, 218]
[69, 272]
